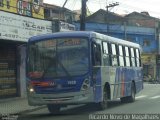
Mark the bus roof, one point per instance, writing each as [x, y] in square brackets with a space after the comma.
[89, 34]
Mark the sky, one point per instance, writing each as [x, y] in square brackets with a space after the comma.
[124, 7]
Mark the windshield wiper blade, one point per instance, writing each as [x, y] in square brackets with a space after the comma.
[65, 70]
[49, 65]
[57, 61]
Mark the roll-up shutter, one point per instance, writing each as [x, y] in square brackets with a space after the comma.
[8, 84]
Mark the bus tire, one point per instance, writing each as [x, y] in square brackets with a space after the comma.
[104, 103]
[53, 109]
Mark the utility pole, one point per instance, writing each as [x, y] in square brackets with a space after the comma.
[109, 6]
[64, 3]
[83, 15]
[62, 9]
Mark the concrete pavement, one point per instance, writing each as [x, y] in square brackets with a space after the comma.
[16, 106]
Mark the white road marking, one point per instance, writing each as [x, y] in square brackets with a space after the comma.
[155, 97]
[141, 96]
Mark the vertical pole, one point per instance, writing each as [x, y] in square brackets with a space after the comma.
[107, 22]
[64, 4]
[109, 6]
[125, 31]
[83, 15]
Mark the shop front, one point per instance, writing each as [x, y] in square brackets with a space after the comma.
[149, 67]
[15, 30]
[8, 70]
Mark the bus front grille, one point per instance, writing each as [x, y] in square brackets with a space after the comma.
[57, 99]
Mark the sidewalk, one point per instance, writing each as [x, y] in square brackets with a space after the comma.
[15, 106]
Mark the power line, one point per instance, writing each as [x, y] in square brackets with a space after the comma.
[123, 6]
[101, 3]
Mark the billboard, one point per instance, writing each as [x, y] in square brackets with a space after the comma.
[60, 26]
[31, 8]
[66, 26]
[20, 28]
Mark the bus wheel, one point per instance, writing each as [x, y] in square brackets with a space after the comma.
[54, 109]
[104, 104]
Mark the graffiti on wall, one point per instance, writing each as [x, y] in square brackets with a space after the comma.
[31, 8]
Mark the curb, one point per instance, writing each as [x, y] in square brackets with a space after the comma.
[30, 110]
[10, 99]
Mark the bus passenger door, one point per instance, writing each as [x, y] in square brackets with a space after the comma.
[96, 71]
[96, 54]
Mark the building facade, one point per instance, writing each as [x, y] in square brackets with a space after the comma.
[62, 18]
[126, 28]
[15, 30]
[149, 56]
[53, 12]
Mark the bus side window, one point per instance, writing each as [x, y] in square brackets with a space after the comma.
[106, 58]
[138, 62]
[127, 58]
[114, 55]
[121, 57]
[133, 60]
[96, 54]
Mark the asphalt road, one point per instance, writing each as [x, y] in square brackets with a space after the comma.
[147, 102]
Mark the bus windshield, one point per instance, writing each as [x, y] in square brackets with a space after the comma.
[60, 57]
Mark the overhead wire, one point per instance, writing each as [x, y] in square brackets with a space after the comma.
[124, 7]
[128, 8]
[71, 4]
[95, 23]
[131, 8]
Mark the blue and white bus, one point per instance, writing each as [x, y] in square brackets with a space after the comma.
[81, 67]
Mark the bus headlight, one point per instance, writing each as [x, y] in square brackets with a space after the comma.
[30, 88]
[85, 85]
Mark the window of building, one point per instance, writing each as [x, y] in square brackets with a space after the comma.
[47, 13]
[8, 4]
[146, 43]
[55, 11]
[1, 3]
[68, 18]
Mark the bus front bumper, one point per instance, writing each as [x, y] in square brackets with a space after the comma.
[70, 98]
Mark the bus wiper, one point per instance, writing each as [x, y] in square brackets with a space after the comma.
[56, 61]
[65, 70]
[49, 65]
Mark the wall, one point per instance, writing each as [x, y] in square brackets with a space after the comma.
[19, 28]
[31, 8]
[141, 35]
